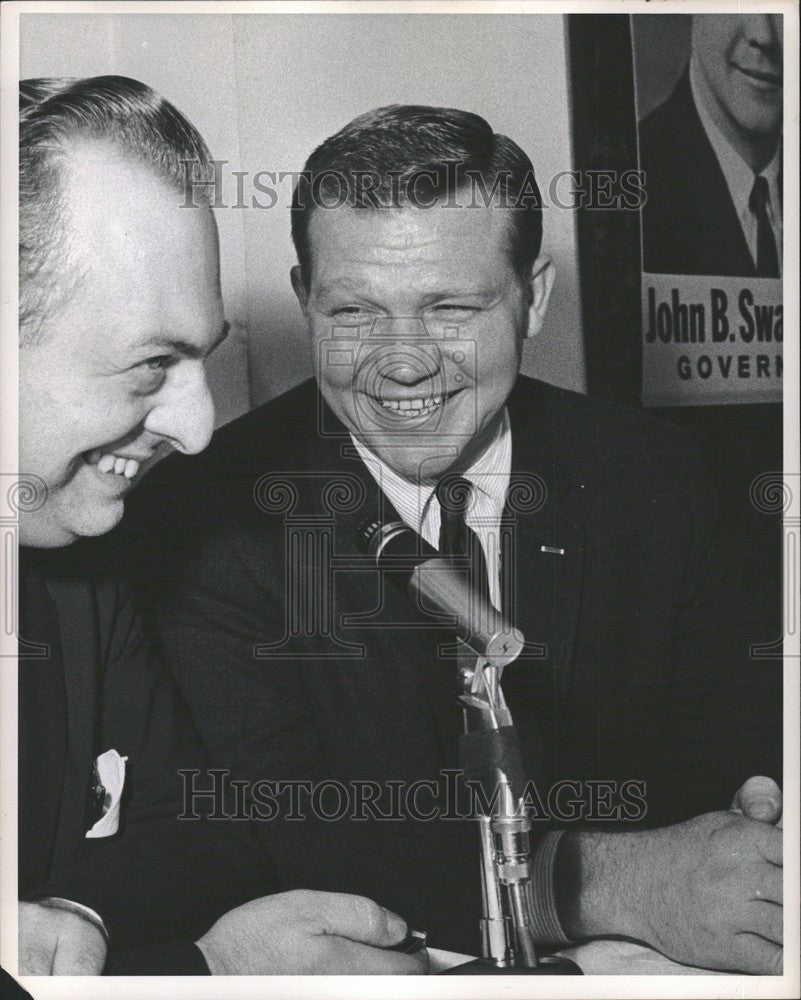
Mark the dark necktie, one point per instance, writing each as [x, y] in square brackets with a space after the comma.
[767, 263]
[456, 537]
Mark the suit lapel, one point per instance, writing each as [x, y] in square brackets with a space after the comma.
[411, 676]
[417, 669]
[42, 730]
[544, 521]
[78, 628]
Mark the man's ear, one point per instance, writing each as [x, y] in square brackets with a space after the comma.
[539, 289]
[298, 287]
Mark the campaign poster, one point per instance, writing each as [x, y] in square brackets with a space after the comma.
[709, 102]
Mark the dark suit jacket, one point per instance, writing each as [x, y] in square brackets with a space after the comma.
[300, 666]
[689, 222]
[160, 881]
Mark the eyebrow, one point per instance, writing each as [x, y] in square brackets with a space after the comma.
[337, 288]
[186, 348]
[333, 290]
[461, 293]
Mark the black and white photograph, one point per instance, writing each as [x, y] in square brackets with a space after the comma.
[400, 500]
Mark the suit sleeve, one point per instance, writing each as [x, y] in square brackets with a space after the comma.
[721, 702]
[171, 958]
[259, 722]
[162, 878]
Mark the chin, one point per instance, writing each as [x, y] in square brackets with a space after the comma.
[102, 521]
[757, 112]
[69, 514]
[97, 520]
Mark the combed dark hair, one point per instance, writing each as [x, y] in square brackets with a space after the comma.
[53, 112]
[402, 144]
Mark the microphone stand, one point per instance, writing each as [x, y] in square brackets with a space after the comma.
[489, 750]
[490, 754]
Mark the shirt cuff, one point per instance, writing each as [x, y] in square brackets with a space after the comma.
[547, 926]
[173, 958]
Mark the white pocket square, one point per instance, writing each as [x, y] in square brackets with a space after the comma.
[110, 770]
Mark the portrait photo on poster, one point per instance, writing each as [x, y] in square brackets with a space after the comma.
[710, 112]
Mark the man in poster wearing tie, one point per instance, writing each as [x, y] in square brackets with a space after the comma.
[712, 155]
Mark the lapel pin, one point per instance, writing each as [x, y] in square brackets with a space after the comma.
[552, 549]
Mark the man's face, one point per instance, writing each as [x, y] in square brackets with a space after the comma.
[116, 369]
[741, 58]
[417, 319]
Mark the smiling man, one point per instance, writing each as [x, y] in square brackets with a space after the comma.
[120, 306]
[112, 369]
[712, 154]
[437, 340]
[420, 274]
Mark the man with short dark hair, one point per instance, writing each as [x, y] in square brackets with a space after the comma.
[420, 276]
[119, 306]
[712, 154]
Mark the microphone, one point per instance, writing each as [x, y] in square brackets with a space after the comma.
[439, 585]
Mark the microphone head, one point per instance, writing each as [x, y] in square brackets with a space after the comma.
[440, 588]
[395, 539]
[365, 535]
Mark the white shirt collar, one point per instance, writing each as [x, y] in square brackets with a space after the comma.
[489, 473]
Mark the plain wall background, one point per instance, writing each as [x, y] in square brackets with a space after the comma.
[266, 89]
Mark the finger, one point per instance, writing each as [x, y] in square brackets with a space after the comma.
[770, 844]
[766, 920]
[769, 885]
[758, 956]
[351, 958]
[359, 919]
[759, 798]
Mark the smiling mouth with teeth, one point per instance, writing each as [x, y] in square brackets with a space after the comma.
[418, 407]
[116, 465]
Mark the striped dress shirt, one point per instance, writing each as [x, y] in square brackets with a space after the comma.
[417, 505]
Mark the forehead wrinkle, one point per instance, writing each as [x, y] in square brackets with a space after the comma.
[392, 252]
[407, 250]
[406, 227]
[425, 251]
[407, 235]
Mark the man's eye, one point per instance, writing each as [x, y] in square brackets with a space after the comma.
[454, 307]
[151, 374]
[347, 311]
[159, 363]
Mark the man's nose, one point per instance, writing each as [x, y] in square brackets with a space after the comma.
[184, 415]
[405, 352]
